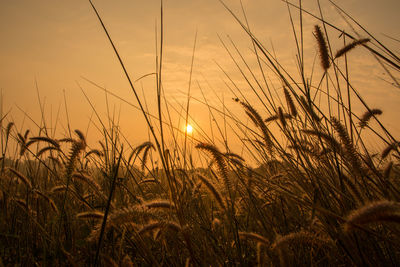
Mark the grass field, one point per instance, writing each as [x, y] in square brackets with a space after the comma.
[310, 193]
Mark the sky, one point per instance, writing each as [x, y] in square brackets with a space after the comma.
[49, 48]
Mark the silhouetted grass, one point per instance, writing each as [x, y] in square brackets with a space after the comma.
[317, 196]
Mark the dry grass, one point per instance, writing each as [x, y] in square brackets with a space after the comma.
[304, 202]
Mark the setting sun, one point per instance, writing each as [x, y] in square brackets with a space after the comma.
[189, 129]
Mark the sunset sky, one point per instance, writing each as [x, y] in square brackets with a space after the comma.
[56, 43]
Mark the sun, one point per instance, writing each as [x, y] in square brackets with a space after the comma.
[189, 129]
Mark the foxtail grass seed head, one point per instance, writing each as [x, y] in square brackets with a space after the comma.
[322, 47]
[389, 149]
[98, 215]
[96, 152]
[21, 177]
[21, 139]
[379, 211]
[350, 46]
[290, 103]
[330, 140]
[145, 147]
[301, 238]
[366, 117]
[8, 129]
[45, 149]
[88, 180]
[281, 116]
[46, 139]
[81, 136]
[271, 118]
[160, 203]
[219, 159]
[48, 199]
[259, 122]
[58, 189]
[213, 190]
[350, 151]
[308, 107]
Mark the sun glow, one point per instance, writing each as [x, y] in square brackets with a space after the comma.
[189, 129]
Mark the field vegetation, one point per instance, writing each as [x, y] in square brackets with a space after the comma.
[313, 195]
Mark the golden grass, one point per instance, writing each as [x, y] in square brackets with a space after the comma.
[295, 194]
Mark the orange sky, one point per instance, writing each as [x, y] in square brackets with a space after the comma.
[58, 42]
